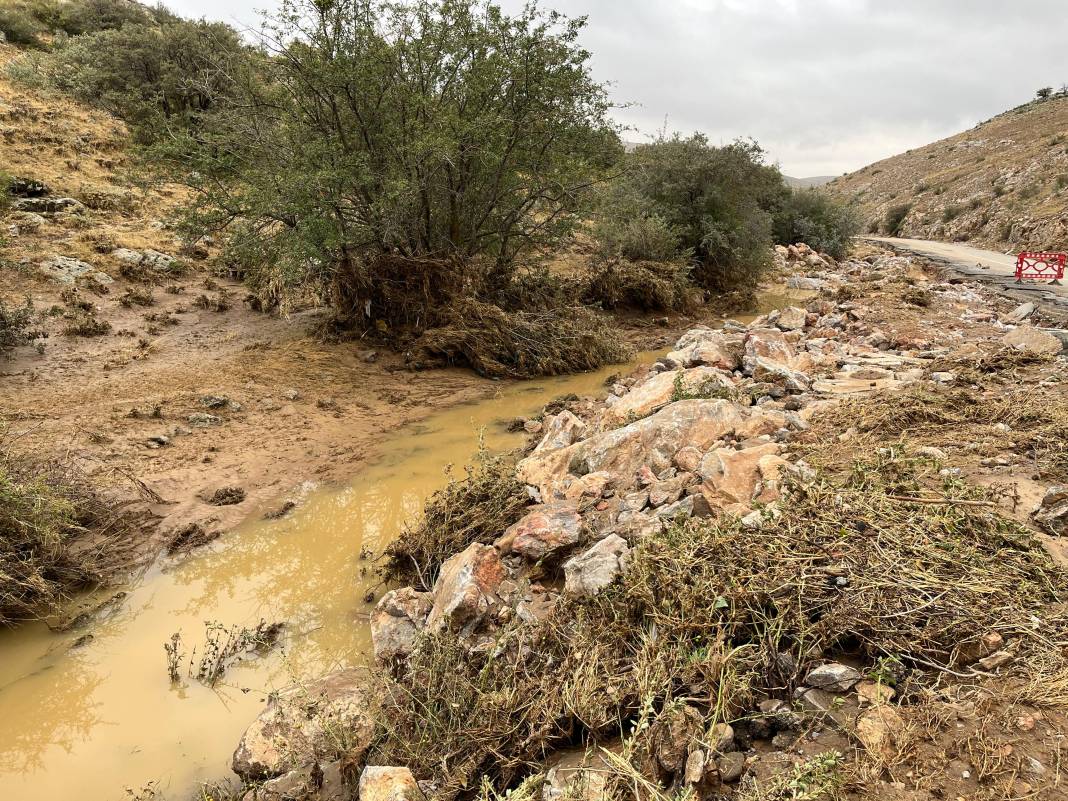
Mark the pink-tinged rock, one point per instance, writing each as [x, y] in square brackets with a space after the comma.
[592, 571]
[646, 445]
[709, 348]
[592, 485]
[397, 620]
[380, 783]
[543, 531]
[298, 722]
[774, 372]
[688, 458]
[658, 391]
[669, 490]
[769, 343]
[466, 589]
[731, 476]
[792, 319]
[561, 430]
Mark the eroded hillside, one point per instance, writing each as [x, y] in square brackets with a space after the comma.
[1001, 185]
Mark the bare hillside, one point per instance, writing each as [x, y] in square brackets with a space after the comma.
[1001, 185]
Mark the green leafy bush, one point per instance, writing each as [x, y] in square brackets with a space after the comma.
[16, 326]
[895, 218]
[717, 201]
[153, 76]
[440, 130]
[815, 218]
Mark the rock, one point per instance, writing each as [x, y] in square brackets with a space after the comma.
[1021, 312]
[201, 419]
[879, 729]
[683, 508]
[669, 490]
[1053, 513]
[670, 736]
[731, 476]
[651, 442]
[707, 347]
[661, 389]
[397, 620]
[303, 784]
[66, 270]
[591, 485]
[562, 430]
[213, 401]
[694, 773]
[721, 738]
[731, 766]
[833, 677]
[1032, 340]
[466, 589]
[871, 693]
[149, 258]
[577, 775]
[379, 783]
[944, 377]
[590, 572]
[543, 531]
[299, 722]
[791, 319]
[533, 426]
[937, 454]
[48, 205]
[687, 459]
[762, 369]
[291, 395]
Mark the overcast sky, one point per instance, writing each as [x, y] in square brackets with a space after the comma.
[826, 86]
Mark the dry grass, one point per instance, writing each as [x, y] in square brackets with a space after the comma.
[476, 508]
[706, 610]
[53, 527]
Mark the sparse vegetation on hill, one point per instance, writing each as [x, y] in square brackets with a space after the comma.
[999, 185]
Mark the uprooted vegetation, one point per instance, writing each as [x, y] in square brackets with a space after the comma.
[474, 508]
[868, 561]
[52, 525]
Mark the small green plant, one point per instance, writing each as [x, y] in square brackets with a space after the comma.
[952, 212]
[895, 218]
[16, 326]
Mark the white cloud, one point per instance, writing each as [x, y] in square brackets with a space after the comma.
[825, 86]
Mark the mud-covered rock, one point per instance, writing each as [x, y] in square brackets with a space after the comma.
[1033, 340]
[296, 725]
[662, 388]
[833, 677]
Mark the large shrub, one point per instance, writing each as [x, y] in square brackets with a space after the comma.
[155, 76]
[815, 218]
[441, 132]
[30, 23]
[685, 195]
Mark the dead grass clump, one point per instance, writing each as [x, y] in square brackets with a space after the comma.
[475, 508]
[1034, 420]
[999, 365]
[86, 324]
[874, 563]
[137, 297]
[519, 344]
[215, 303]
[48, 512]
[646, 286]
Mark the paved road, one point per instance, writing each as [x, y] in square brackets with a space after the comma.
[986, 265]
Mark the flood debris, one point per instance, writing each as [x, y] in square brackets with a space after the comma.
[787, 555]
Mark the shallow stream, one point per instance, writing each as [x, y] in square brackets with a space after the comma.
[88, 713]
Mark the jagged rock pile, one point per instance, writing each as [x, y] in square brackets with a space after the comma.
[705, 431]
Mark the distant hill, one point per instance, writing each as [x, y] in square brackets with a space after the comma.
[807, 183]
[1001, 185]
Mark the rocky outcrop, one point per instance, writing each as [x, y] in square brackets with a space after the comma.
[295, 727]
[662, 388]
[544, 531]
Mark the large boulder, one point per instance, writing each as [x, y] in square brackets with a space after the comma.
[705, 347]
[1033, 340]
[590, 572]
[661, 389]
[66, 270]
[731, 476]
[466, 589]
[397, 620]
[543, 531]
[296, 726]
[560, 431]
[382, 783]
[650, 442]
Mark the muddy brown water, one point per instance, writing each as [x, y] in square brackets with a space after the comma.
[89, 713]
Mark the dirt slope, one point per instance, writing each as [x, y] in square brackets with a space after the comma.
[1002, 185]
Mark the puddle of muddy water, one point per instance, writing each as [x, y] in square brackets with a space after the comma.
[91, 719]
